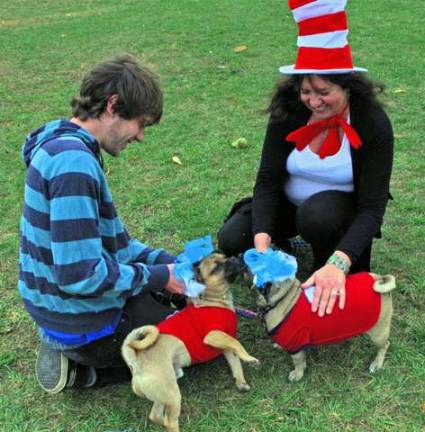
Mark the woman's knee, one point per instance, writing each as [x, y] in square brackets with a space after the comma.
[235, 236]
[325, 214]
[233, 240]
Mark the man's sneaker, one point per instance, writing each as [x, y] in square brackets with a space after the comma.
[81, 376]
[54, 371]
[51, 369]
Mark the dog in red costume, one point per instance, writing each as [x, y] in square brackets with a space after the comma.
[286, 312]
[202, 331]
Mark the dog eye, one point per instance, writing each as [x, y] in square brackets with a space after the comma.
[216, 268]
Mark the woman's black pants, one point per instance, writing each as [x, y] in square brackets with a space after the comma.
[321, 220]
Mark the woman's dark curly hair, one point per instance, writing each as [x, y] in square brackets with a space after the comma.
[286, 97]
[136, 86]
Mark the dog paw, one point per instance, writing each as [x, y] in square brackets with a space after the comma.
[157, 419]
[243, 386]
[295, 375]
[375, 366]
[253, 361]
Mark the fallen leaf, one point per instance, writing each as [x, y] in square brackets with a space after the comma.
[176, 160]
[240, 48]
[240, 143]
[399, 90]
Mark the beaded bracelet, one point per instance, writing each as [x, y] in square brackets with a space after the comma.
[339, 262]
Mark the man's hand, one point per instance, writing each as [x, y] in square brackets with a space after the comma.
[173, 285]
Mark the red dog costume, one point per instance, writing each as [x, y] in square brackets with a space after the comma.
[302, 327]
[192, 324]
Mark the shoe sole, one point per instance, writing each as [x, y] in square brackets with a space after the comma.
[45, 366]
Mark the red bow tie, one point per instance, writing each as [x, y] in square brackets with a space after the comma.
[332, 143]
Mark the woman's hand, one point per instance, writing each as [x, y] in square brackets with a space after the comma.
[173, 285]
[330, 287]
[262, 242]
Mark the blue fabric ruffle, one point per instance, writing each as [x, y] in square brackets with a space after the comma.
[194, 251]
[270, 266]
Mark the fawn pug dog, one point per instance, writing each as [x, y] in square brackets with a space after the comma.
[286, 312]
[202, 331]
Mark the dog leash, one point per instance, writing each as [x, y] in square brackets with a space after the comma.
[246, 313]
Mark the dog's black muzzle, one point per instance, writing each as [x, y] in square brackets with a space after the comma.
[234, 267]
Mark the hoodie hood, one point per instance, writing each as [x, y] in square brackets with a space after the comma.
[56, 129]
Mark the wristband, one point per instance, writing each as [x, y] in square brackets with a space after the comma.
[339, 262]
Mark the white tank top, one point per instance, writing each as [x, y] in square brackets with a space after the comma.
[308, 174]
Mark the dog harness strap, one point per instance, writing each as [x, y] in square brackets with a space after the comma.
[304, 328]
[192, 324]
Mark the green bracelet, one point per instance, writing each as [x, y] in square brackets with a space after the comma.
[339, 262]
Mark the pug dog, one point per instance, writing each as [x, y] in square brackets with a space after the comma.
[202, 331]
[286, 312]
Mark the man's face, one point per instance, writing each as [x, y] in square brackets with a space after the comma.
[122, 132]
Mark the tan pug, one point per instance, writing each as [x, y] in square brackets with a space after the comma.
[292, 325]
[156, 357]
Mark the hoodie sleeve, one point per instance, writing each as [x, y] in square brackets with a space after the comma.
[87, 238]
[144, 254]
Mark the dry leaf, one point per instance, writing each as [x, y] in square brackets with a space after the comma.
[240, 48]
[176, 160]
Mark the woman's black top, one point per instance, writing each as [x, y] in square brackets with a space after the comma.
[372, 165]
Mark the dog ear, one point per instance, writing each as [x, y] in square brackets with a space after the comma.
[197, 271]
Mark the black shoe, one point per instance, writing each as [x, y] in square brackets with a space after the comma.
[51, 369]
[178, 301]
[81, 376]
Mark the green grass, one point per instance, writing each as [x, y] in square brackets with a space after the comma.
[213, 96]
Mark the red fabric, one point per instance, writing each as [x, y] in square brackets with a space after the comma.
[192, 324]
[324, 58]
[293, 4]
[323, 24]
[303, 328]
[332, 143]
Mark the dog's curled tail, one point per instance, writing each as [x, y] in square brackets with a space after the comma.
[144, 337]
[384, 284]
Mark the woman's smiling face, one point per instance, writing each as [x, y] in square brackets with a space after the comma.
[323, 98]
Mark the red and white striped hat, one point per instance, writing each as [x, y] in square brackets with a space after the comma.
[322, 38]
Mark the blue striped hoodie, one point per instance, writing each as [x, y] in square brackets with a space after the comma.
[77, 263]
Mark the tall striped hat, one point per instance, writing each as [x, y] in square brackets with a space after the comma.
[322, 38]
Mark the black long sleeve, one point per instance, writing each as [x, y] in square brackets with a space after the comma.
[372, 166]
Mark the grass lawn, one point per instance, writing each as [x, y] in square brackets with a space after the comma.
[213, 96]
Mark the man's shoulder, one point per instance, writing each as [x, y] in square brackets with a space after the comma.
[66, 144]
[62, 155]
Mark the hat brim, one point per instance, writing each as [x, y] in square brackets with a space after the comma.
[290, 70]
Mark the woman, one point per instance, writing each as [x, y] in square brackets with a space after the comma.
[324, 173]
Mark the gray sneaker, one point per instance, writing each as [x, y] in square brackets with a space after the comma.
[51, 369]
[54, 371]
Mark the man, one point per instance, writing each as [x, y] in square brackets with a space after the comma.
[85, 282]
